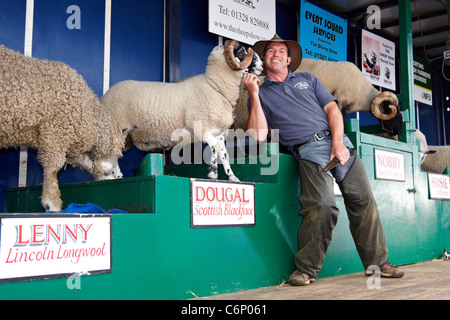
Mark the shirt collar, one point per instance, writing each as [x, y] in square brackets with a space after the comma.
[269, 81]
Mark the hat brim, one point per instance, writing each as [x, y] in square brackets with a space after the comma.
[295, 50]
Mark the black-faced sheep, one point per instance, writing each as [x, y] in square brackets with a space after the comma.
[48, 106]
[161, 115]
[434, 159]
[350, 87]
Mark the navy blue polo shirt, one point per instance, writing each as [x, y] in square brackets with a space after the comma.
[295, 106]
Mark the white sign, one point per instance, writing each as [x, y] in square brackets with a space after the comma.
[378, 60]
[246, 21]
[389, 165]
[439, 186]
[423, 95]
[217, 203]
[36, 246]
[422, 81]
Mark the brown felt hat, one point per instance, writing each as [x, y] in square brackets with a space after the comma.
[295, 51]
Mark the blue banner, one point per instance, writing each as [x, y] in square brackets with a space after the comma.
[322, 34]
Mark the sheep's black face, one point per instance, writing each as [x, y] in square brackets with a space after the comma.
[256, 67]
[393, 126]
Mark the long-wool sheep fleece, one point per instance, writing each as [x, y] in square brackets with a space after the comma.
[42, 99]
[48, 106]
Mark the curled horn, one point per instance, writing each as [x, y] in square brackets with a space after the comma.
[228, 51]
[387, 97]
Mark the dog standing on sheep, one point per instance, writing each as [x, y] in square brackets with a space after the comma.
[48, 106]
[159, 113]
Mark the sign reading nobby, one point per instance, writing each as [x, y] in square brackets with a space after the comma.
[49, 246]
[389, 165]
[220, 203]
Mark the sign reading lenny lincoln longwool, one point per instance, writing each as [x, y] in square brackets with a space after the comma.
[48, 246]
[221, 203]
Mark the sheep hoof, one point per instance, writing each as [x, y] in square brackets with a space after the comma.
[233, 178]
[212, 175]
[108, 177]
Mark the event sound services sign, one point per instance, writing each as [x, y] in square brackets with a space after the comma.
[323, 35]
[247, 21]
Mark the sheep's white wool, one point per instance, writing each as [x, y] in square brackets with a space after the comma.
[107, 166]
[434, 159]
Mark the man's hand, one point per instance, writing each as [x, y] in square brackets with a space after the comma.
[251, 82]
[341, 152]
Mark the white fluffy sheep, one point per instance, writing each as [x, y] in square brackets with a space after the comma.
[433, 159]
[350, 87]
[200, 107]
[48, 106]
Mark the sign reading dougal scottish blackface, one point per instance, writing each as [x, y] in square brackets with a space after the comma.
[246, 21]
[216, 203]
[48, 246]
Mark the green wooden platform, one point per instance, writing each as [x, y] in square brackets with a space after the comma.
[157, 255]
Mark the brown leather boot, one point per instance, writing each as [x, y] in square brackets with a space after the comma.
[387, 270]
[298, 278]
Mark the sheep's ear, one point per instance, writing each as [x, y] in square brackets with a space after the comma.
[125, 130]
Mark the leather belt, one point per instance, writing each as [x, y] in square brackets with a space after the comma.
[320, 135]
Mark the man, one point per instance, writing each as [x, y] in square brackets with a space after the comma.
[310, 124]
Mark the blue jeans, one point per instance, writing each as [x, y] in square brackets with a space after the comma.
[319, 152]
[319, 212]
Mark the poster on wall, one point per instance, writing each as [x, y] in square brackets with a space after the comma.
[323, 35]
[217, 203]
[247, 21]
[50, 246]
[422, 81]
[378, 60]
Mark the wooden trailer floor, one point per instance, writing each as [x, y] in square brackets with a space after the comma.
[422, 281]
